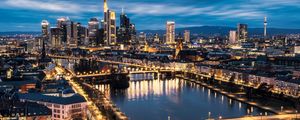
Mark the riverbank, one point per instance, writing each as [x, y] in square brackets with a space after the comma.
[233, 96]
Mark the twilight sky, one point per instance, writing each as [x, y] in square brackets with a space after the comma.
[26, 15]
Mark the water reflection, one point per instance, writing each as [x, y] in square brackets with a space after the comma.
[182, 100]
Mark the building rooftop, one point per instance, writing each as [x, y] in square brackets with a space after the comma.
[76, 98]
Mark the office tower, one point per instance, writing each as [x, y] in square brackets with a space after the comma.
[132, 32]
[45, 33]
[187, 35]
[93, 27]
[82, 34]
[242, 32]
[142, 38]
[109, 25]
[170, 32]
[72, 35]
[45, 28]
[232, 37]
[56, 37]
[124, 30]
[62, 23]
[156, 38]
[265, 27]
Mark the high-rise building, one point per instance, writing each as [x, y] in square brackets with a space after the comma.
[56, 37]
[265, 27]
[156, 38]
[93, 27]
[187, 35]
[45, 34]
[124, 30]
[72, 35]
[45, 28]
[170, 32]
[132, 32]
[62, 23]
[142, 38]
[242, 32]
[232, 37]
[82, 35]
[109, 24]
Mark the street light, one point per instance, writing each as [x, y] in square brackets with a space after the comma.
[296, 113]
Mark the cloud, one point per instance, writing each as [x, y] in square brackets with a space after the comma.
[53, 6]
[146, 9]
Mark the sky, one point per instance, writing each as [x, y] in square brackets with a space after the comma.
[26, 15]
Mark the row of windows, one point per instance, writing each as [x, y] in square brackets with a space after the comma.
[76, 106]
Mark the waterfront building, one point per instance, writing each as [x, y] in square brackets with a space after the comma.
[187, 35]
[170, 32]
[242, 32]
[62, 107]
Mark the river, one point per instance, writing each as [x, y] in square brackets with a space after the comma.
[151, 99]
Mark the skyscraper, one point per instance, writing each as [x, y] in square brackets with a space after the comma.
[170, 32]
[82, 35]
[62, 23]
[142, 38]
[124, 30]
[45, 33]
[56, 37]
[242, 32]
[72, 35]
[45, 28]
[109, 24]
[93, 27]
[265, 27]
[232, 36]
[187, 35]
[132, 32]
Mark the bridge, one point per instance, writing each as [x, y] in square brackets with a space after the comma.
[86, 75]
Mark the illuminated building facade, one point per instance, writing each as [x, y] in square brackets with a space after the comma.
[170, 32]
[187, 35]
[242, 32]
[232, 37]
[109, 24]
[124, 30]
[93, 27]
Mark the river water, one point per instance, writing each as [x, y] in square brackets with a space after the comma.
[151, 99]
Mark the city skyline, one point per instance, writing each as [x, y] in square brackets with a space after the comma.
[26, 15]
